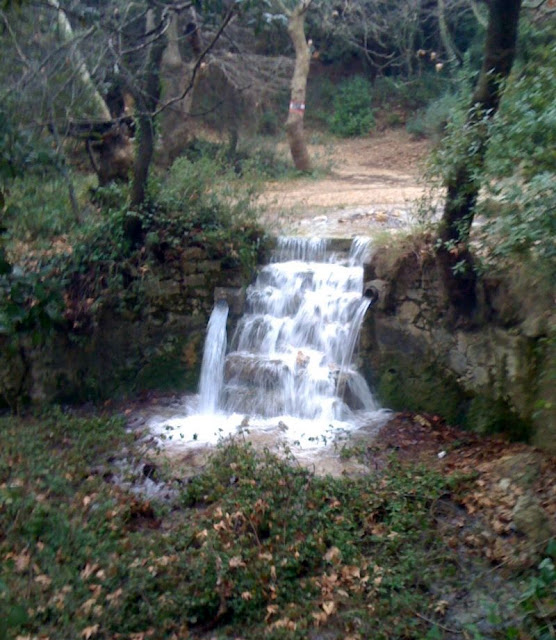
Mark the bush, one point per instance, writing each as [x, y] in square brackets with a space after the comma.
[353, 115]
[413, 94]
[431, 121]
[520, 164]
[518, 196]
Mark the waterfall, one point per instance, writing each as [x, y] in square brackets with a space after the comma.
[212, 369]
[289, 371]
[293, 349]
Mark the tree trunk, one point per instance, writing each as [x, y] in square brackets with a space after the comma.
[175, 122]
[146, 100]
[447, 42]
[294, 123]
[67, 36]
[463, 182]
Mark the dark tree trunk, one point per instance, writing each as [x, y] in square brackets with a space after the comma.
[463, 183]
[146, 100]
[145, 148]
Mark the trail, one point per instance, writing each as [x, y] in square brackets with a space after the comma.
[372, 184]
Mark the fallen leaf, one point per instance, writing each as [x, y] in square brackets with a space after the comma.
[441, 606]
[89, 632]
[320, 617]
[236, 562]
[113, 598]
[22, 562]
[350, 572]
[43, 580]
[284, 623]
[88, 605]
[88, 571]
[329, 607]
[333, 555]
[270, 611]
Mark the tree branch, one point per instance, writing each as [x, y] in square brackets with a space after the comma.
[227, 19]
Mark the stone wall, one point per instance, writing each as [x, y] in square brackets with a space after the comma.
[495, 374]
[150, 335]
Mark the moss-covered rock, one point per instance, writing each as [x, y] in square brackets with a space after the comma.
[489, 414]
[495, 375]
[422, 386]
[147, 336]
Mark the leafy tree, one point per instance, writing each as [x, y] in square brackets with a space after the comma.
[463, 179]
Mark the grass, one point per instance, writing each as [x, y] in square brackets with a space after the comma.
[253, 547]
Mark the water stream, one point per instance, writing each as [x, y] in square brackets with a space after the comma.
[289, 373]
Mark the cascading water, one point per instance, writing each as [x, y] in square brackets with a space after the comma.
[293, 348]
[289, 369]
[212, 369]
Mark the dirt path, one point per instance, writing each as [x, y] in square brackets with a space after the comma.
[373, 182]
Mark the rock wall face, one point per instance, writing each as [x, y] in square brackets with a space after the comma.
[147, 336]
[495, 374]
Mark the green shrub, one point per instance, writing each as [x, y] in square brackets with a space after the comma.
[518, 196]
[520, 165]
[19, 152]
[353, 115]
[432, 120]
[413, 94]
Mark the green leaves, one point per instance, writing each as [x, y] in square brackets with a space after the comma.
[352, 115]
[29, 304]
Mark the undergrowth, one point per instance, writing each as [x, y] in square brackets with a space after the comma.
[255, 546]
[50, 278]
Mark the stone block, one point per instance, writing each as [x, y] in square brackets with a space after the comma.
[207, 266]
[408, 312]
[235, 297]
[195, 280]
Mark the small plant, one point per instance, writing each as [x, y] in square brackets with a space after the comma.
[539, 600]
[353, 115]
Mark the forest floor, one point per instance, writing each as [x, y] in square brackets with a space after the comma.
[440, 535]
[370, 183]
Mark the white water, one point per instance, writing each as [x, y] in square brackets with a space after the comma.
[212, 369]
[289, 375]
